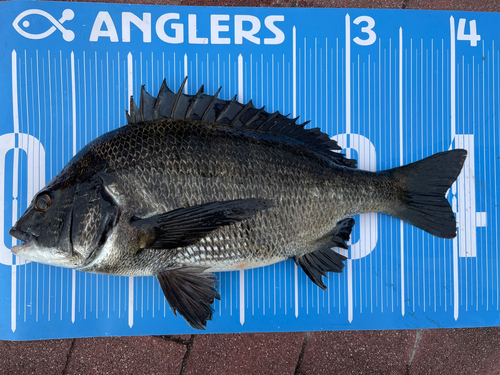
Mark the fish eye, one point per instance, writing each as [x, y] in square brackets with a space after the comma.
[43, 201]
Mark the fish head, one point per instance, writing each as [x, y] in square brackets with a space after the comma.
[66, 224]
[45, 228]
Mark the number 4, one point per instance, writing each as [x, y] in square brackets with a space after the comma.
[473, 37]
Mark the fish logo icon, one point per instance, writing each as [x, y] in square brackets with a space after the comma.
[67, 15]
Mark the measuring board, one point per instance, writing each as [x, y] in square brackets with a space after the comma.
[391, 86]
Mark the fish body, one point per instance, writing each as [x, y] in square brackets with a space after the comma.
[195, 184]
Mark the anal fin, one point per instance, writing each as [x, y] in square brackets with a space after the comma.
[317, 263]
[341, 233]
[190, 292]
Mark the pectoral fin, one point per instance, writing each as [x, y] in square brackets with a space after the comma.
[191, 292]
[324, 259]
[185, 226]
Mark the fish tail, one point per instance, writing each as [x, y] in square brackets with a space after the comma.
[424, 186]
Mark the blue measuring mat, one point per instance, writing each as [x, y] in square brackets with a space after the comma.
[391, 86]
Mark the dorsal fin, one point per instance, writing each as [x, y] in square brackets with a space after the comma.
[146, 103]
[231, 113]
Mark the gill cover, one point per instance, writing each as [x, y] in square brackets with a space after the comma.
[94, 215]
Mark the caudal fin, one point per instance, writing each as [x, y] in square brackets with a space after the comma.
[425, 184]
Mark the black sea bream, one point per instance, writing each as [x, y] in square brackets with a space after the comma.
[195, 184]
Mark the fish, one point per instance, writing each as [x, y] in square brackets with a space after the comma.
[194, 184]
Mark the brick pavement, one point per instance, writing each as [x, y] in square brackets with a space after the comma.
[452, 351]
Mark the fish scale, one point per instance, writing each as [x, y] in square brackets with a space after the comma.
[194, 184]
[215, 188]
[180, 175]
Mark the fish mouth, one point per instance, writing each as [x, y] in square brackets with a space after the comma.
[27, 238]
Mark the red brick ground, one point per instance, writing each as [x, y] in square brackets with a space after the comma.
[251, 353]
[467, 5]
[358, 352]
[123, 355]
[440, 351]
[34, 357]
[460, 351]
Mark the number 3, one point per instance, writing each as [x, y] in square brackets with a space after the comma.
[367, 29]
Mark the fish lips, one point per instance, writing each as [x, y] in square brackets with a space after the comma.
[26, 237]
[32, 251]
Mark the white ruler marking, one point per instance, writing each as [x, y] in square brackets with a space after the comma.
[15, 104]
[348, 131]
[130, 77]
[294, 115]
[296, 288]
[347, 74]
[15, 112]
[242, 297]
[452, 79]
[242, 272]
[73, 103]
[486, 273]
[453, 132]
[96, 94]
[350, 313]
[401, 162]
[294, 73]
[130, 301]
[240, 79]
[185, 72]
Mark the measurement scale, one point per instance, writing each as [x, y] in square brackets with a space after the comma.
[391, 86]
